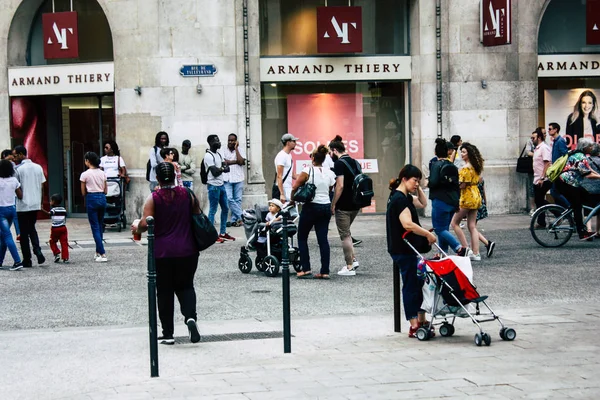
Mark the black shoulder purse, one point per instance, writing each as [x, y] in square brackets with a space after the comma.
[306, 192]
[525, 163]
[205, 234]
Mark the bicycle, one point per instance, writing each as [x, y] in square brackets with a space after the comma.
[560, 224]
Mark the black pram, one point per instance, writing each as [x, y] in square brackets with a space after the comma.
[114, 215]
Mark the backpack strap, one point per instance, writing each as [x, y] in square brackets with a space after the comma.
[358, 170]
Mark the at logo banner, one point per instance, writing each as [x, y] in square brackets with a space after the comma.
[495, 18]
[339, 29]
[60, 35]
[592, 22]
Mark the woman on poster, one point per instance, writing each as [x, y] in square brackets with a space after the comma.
[583, 121]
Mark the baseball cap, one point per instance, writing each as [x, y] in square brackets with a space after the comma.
[288, 137]
[276, 202]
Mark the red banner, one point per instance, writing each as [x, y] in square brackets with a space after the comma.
[339, 29]
[495, 22]
[60, 35]
[592, 22]
[317, 118]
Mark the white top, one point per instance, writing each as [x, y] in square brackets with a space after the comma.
[155, 159]
[110, 165]
[323, 178]
[215, 159]
[236, 172]
[30, 176]
[328, 163]
[284, 159]
[7, 191]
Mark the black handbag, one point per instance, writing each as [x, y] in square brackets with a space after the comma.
[525, 163]
[306, 192]
[276, 194]
[205, 234]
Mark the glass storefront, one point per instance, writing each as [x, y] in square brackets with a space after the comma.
[370, 116]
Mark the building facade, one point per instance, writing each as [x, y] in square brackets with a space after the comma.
[260, 68]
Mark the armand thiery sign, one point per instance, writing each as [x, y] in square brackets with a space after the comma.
[61, 79]
[568, 65]
[286, 69]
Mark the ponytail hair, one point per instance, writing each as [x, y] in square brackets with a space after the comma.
[409, 171]
[337, 144]
[441, 148]
[320, 153]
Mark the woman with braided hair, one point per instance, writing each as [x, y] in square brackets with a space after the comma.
[470, 198]
[175, 250]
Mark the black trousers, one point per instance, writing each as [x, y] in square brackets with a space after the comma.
[27, 220]
[175, 276]
[539, 196]
[578, 196]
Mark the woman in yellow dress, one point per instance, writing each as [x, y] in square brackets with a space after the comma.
[470, 197]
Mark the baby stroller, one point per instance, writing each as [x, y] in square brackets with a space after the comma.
[114, 215]
[268, 253]
[448, 293]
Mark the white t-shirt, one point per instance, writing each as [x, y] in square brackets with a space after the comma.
[215, 159]
[110, 165]
[285, 159]
[323, 178]
[7, 191]
[236, 172]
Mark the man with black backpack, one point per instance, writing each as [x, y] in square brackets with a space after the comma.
[353, 190]
[161, 140]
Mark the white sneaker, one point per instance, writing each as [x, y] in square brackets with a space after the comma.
[470, 253]
[475, 257]
[346, 272]
[355, 263]
[101, 259]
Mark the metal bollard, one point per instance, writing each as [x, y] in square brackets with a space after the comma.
[285, 275]
[397, 301]
[152, 300]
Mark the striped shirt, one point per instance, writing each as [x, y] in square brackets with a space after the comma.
[58, 216]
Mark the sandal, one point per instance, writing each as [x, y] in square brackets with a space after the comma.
[321, 276]
[304, 275]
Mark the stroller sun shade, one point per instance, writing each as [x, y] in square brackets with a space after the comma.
[458, 283]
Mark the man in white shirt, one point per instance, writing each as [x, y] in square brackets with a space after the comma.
[31, 176]
[234, 179]
[284, 168]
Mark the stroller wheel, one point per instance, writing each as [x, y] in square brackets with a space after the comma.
[478, 339]
[423, 334]
[508, 334]
[259, 264]
[245, 263]
[447, 330]
[271, 266]
[296, 262]
[487, 340]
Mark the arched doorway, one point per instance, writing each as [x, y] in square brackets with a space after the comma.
[61, 100]
[568, 63]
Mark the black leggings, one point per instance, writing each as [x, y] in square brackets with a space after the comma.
[577, 196]
[175, 276]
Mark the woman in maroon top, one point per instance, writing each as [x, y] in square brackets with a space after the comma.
[175, 251]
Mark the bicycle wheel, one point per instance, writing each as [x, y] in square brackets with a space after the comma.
[558, 229]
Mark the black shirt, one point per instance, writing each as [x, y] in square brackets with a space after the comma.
[397, 202]
[443, 182]
[345, 202]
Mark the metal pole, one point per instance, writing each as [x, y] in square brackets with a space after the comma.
[285, 274]
[152, 300]
[397, 301]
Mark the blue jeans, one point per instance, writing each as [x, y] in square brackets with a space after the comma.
[234, 195]
[16, 221]
[217, 196]
[7, 216]
[317, 215]
[412, 286]
[96, 205]
[441, 216]
[559, 198]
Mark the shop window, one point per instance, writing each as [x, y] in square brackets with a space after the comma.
[370, 116]
[290, 27]
[95, 40]
[562, 30]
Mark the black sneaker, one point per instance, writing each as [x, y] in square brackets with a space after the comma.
[589, 236]
[490, 248]
[27, 264]
[193, 328]
[57, 258]
[166, 340]
[356, 242]
[40, 257]
[462, 252]
[16, 266]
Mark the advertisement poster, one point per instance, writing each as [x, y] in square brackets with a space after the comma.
[559, 104]
[317, 118]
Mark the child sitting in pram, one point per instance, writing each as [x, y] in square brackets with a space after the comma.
[275, 207]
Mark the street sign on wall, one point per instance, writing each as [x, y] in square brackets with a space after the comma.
[60, 35]
[198, 70]
[495, 20]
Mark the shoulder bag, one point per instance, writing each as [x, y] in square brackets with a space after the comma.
[275, 191]
[525, 163]
[205, 234]
[306, 192]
